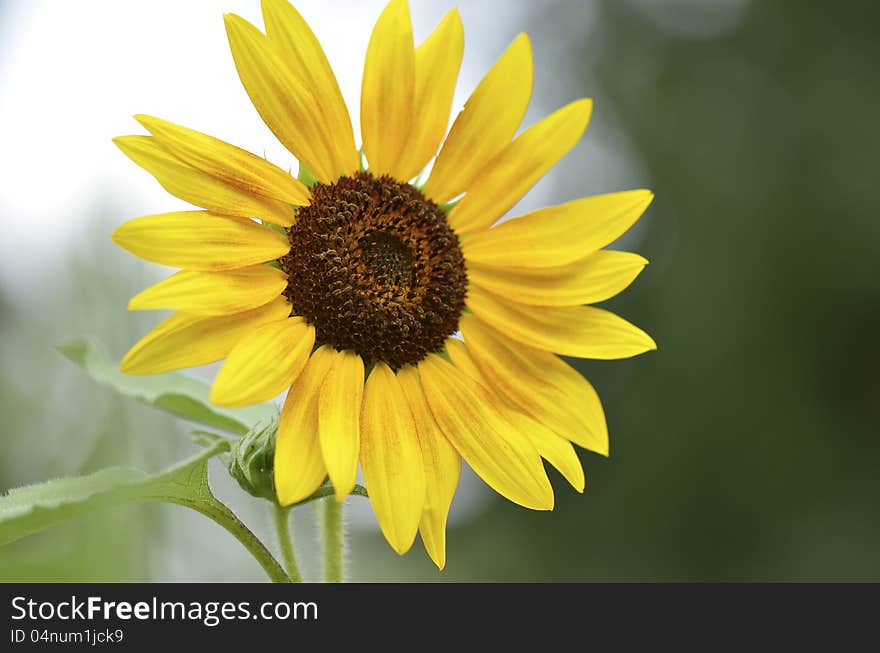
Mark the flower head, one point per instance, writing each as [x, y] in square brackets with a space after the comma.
[409, 329]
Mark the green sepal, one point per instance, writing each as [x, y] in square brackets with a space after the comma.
[326, 490]
[250, 461]
[446, 207]
[306, 177]
[277, 228]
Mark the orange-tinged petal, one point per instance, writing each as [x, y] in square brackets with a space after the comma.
[387, 91]
[191, 340]
[487, 123]
[200, 240]
[213, 293]
[391, 458]
[557, 235]
[442, 467]
[501, 455]
[437, 62]
[582, 331]
[597, 277]
[540, 384]
[228, 163]
[264, 363]
[552, 447]
[339, 417]
[286, 106]
[198, 187]
[299, 465]
[301, 51]
[515, 170]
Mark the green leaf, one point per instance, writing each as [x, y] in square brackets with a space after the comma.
[29, 509]
[32, 508]
[174, 393]
[208, 439]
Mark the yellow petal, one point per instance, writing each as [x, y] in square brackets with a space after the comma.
[264, 363]
[228, 163]
[387, 91]
[553, 448]
[391, 458]
[502, 456]
[442, 467]
[582, 331]
[596, 278]
[557, 235]
[462, 360]
[283, 102]
[438, 60]
[200, 240]
[339, 413]
[191, 340]
[299, 465]
[540, 384]
[213, 293]
[515, 170]
[301, 51]
[487, 123]
[200, 188]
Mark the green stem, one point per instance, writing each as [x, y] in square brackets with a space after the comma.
[334, 566]
[186, 484]
[282, 529]
[243, 534]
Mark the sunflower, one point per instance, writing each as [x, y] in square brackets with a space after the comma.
[408, 326]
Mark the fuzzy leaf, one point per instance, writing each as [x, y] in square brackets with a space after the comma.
[174, 393]
[32, 508]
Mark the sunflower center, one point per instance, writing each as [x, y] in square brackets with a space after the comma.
[374, 266]
[387, 256]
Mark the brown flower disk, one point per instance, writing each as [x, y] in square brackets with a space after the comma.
[374, 266]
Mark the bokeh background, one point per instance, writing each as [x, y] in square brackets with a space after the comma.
[746, 448]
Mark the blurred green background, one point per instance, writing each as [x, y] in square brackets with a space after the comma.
[745, 449]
